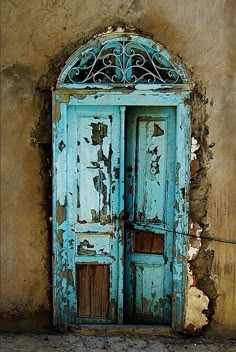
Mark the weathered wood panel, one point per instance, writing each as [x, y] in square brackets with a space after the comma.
[149, 302]
[93, 290]
[148, 242]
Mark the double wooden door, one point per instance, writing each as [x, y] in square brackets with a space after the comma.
[120, 176]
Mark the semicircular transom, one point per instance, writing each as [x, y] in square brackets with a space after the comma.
[126, 60]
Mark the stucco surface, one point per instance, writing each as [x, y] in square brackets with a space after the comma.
[36, 37]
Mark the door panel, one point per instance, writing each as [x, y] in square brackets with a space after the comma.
[93, 161]
[150, 172]
[147, 242]
[149, 291]
[93, 288]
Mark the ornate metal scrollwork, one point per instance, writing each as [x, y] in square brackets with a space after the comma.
[122, 62]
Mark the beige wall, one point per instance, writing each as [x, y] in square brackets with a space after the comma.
[36, 37]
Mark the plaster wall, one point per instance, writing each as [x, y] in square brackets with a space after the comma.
[37, 37]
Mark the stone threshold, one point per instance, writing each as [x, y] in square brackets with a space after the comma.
[112, 330]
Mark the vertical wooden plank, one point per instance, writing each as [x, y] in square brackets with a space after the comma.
[121, 219]
[141, 168]
[151, 169]
[71, 166]
[84, 290]
[181, 215]
[60, 282]
[129, 164]
[99, 291]
[93, 291]
[114, 292]
[169, 215]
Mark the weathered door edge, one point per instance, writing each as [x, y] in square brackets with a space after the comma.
[62, 275]
[120, 308]
[181, 218]
[59, 252]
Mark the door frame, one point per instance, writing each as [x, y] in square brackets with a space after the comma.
[63, 250]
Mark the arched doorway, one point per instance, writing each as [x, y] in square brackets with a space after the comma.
[120, 184]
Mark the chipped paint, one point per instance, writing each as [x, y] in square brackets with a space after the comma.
[60, 237]
[61, 213]
[94, 244]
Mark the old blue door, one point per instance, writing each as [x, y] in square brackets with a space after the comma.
[120, 174]
[94, 164]
[150, 187]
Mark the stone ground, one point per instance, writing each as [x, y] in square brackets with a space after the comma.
[73, 343]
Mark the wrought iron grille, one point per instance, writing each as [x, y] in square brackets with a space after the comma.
[122, 62]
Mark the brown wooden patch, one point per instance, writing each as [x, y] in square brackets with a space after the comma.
[93, 290]
[148, 242]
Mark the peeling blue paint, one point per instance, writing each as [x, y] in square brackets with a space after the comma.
[88, 195]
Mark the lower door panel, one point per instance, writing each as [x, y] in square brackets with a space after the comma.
[93, 291]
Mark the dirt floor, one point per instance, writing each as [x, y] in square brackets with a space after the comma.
[72, 343]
